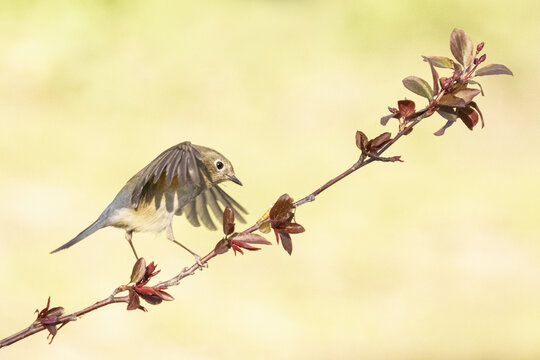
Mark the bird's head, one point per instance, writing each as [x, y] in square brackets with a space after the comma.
[219, 167]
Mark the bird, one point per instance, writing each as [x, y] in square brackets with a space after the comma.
[184, 179]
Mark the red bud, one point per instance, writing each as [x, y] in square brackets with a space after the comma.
[482, 59]
[479, 47]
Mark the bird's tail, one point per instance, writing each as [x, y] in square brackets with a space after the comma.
[96, 225]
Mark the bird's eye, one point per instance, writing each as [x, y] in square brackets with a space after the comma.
[219, 164]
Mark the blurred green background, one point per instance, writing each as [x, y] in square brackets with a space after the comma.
[434, 258]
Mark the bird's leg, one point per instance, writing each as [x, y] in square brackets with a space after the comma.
[128, 238]
[170, 236]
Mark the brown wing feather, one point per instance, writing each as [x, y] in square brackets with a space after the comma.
[226, 200]
[202, 211]
[181, 161]
[173, 169]
[197, 210]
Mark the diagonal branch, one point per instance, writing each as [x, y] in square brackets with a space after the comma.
[451, 98]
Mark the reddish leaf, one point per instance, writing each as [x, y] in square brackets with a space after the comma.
[441, 131]
[236, 248]
[468, 116]
[292, 228]
[152, 299]
[164, 295]
[150, 271]
[447, 112]
[467, 94]
[379, 142]
[286, 242]
[222, 246]
[361, 140]
[55, 311]
[238, 245]
[133, 302]
[50, 316]
[251, 238]
[462, 47]
[228, 221]
[434, 75]
[49, 320]
[144, 290]
[406, 108]
[282, 209]
[385, 119]
[450, 115]
[418, 86]
[139, 270]
[43, 312]
[493, 69]
[440, 61]
[475, 106]
[52, 330]
[249, 247]
[452, 100]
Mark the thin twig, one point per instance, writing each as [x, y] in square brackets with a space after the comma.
[369, 155]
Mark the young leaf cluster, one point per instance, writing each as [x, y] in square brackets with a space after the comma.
[452, 96]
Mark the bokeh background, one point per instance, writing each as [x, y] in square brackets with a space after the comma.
[434, 258]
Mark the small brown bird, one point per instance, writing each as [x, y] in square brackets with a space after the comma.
[181, 180]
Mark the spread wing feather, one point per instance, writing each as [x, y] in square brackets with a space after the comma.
[202, 211]
[197, 210]
[173, 169]
[214, 205]
[181, 161]
[191, 215]
[193, 169]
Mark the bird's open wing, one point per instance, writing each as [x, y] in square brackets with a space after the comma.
[181, 163]
[197, 210]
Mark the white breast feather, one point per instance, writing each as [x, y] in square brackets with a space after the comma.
[148, 219]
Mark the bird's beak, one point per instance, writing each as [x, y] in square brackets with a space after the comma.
[235, 180]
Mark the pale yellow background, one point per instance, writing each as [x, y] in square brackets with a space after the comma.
[434, 258]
